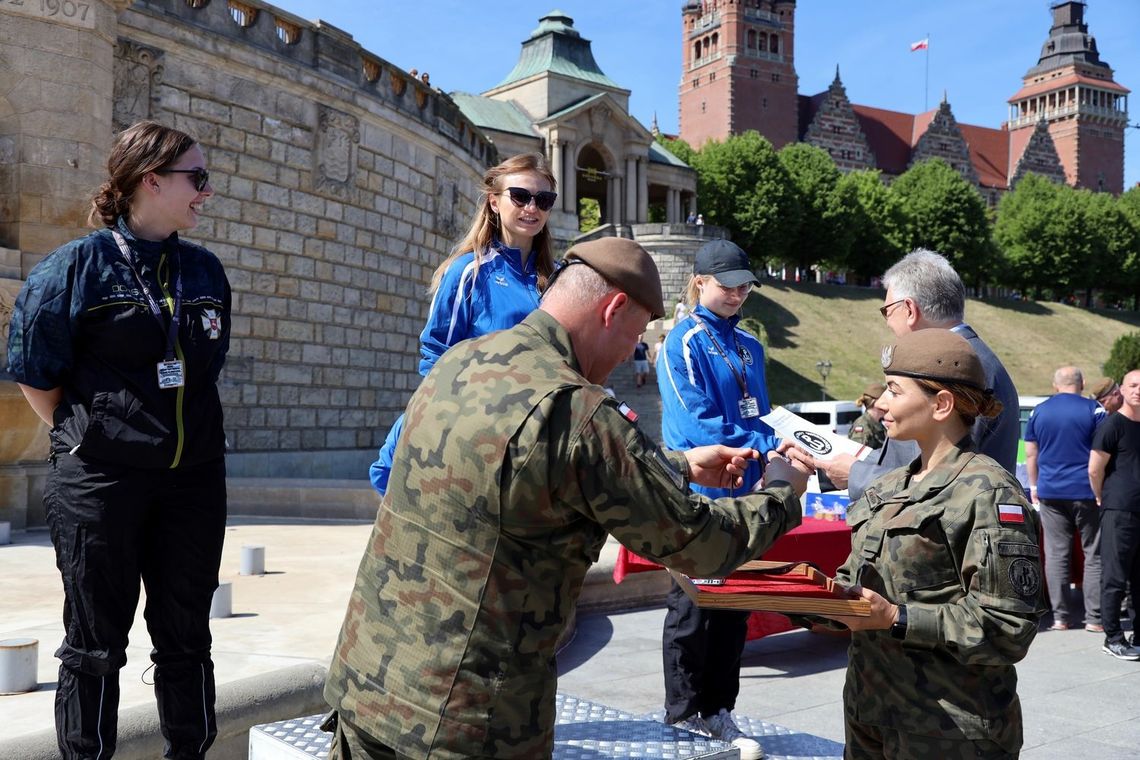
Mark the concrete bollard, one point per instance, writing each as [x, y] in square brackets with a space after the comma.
[5, 532]
[18, 665]
[222, 605]
[252, 559]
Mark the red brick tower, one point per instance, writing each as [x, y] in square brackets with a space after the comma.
[738, 70]
[1073, 91]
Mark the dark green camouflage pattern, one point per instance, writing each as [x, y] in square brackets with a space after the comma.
[868, 431]
[510, 471]
[973, 590]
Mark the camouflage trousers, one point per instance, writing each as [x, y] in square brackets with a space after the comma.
[349, 743]
[865, 741]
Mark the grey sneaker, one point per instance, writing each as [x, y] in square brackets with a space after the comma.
[693, 724]
[1121, 651]
[723, 727]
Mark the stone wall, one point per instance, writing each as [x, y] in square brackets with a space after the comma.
[341, 184]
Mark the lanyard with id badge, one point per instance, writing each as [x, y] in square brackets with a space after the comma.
[748, 405]
[171, 370]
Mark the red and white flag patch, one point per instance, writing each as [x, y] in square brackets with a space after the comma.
[626, 412]
[1011, 513]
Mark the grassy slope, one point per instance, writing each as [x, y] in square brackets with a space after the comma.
[807, 323]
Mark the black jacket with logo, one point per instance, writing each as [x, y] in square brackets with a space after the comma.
[83, 324]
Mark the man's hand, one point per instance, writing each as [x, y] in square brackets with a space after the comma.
[793, 472]
[838, 468]
[719, 466]
[883, 613]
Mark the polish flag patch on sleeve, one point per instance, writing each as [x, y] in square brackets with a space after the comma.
[626, 412]
[1011, 513]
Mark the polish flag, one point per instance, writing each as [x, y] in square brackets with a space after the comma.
[1011, 513]
[920, 45]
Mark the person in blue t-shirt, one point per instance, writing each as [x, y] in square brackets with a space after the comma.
[711, 376]
[493, 278]
[1058, 437]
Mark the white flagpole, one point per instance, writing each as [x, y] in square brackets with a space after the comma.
[926, 85]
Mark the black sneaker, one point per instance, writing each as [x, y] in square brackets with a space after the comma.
[1121, 650]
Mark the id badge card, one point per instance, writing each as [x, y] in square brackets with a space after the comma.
[170, 374]
[749, 407]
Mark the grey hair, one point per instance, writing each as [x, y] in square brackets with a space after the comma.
[1066, 376]
[580, 286]
[928, 278]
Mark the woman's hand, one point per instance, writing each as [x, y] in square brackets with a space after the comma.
[883, 613]
[791, 471]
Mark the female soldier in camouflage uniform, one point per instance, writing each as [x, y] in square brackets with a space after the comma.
[946, 552]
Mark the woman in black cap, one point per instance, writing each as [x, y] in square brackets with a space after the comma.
[711, 376]
[946, 552]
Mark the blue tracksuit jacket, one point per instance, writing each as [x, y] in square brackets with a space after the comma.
[467, 305]
[700, 395]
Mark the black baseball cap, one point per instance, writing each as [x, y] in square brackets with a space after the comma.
[726, 261]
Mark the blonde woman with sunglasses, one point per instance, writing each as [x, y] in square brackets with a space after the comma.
[117, 340]
[493, 278]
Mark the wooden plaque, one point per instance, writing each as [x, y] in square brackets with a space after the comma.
[793, 588]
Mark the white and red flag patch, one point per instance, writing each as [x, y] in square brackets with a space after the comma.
[627, 412]
[1011, 513]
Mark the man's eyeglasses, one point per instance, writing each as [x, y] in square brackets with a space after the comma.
[885, 310]
[520, 196]
[198, 176]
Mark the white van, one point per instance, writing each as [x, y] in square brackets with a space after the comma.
[836, 416]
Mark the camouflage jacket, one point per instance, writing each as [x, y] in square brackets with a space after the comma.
[511, 470]
[960, 549]
[868, 431]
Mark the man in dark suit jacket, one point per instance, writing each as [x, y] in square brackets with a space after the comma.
[923, 291]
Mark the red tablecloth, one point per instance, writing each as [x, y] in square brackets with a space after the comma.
[822, 542]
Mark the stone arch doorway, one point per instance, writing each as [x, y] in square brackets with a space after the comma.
[592, 175]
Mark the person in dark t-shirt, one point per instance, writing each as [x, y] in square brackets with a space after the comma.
[640, 361]
[1114, 473]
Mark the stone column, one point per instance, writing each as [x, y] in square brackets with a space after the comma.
[613, 197]
[556, 163]
[693, 203]
[671, 204]
[631, 189]
[570, 179]
[642, 191]
[55, 119]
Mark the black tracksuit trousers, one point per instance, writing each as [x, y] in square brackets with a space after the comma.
[112, 525]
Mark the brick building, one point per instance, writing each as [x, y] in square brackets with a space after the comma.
[1067, 122]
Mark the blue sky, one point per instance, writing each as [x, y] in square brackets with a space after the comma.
[979, 49]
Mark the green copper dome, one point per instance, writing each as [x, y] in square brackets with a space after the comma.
[555, 46]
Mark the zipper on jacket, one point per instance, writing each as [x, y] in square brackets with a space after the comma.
[181, 391]
[986, 553]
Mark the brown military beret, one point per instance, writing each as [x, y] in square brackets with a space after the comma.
[935, 354]
[625, 265]
[1102, 388]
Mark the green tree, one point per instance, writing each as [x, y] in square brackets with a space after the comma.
[877, 224]
[1124, 356]
[823, 235]
[1029, 233]
[1114, 242]
[1129, 276]
[945, 213]
[743, 186]
[589, 214]
[678, 148]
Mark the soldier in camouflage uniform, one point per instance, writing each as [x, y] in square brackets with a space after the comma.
[946, 551]
[868, 428]
[513, 467]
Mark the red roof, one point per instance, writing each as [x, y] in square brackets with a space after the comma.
[989, 153]
[889, 134]
[1049, 85]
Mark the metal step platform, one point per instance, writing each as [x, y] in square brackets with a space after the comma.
[583, 730]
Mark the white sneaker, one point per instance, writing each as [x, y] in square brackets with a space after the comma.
[723, 727]
[694, 724]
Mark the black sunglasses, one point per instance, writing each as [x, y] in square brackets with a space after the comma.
[199, 176]
[885, 310]
[520, 196]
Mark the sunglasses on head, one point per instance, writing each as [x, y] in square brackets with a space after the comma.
[520, 196]
[199, 176]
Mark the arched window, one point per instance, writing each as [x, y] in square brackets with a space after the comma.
[763, 43]
[696, 50]
[775, 46]
[715, 42]
[751, 39]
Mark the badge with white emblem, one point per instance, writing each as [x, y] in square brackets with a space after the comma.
[887, 356]
[212, 323]
[745, 355]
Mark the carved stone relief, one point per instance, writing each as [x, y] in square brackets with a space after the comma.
[337, 136]
[138, 74]
[446, 199]
[599, 120]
